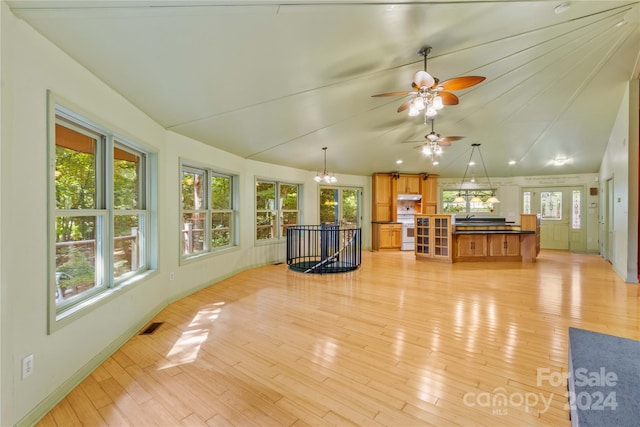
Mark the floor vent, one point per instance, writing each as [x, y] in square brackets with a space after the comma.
[277, 263]
[151, 328]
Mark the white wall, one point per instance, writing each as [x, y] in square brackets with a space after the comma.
[616, 165]
[31, 65]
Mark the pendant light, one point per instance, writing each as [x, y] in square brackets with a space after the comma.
[476, 199]
[325, 177]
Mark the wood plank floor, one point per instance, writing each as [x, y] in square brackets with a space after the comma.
[399, 342]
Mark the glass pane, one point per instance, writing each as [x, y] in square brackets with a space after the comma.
[350, 207]
[448, 204]
[192, 191]
[127, 245]
[328, 205]
[265, 225]
[480, 206]
[526, 202]
[126, 180]
[220, 229]
[575, 212]
[551, 205]
[75, 169]
[76, 254]
[220, 192]
[289, 197]
[288, 219]
[193, 238]
[265, 196]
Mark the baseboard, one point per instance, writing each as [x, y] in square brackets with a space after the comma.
[72, 382]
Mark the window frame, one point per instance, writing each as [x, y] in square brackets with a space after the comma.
[467, 193]
[208, 173]
[278, 211]
[64, 113]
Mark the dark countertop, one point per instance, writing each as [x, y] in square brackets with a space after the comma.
[385, 222]
[494, 232]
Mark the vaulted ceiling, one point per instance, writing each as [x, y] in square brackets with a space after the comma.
[277, 81]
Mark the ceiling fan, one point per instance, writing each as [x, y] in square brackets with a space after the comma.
[432, 147]
[429, 94]
[435, 138]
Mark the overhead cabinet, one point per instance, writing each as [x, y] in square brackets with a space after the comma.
[408, 184]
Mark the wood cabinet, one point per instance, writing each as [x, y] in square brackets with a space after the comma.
[504, 244]
[408, 184]
[433, 238]
[471, 245]
[386, 236]
[429, 191]
[382, 197]
[530, 247]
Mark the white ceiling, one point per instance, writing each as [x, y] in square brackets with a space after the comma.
[277, 81]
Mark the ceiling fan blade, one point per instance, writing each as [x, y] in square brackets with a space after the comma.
[448, 98]
[392, 94]
[449, 139]
[458, 83]
[405, 105]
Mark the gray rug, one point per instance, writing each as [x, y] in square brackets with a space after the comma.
[604, 379]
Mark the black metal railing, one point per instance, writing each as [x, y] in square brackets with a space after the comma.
[325, 248]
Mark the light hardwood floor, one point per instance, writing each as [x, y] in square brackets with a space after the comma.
[399, 342]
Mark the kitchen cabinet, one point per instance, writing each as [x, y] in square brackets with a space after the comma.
[471, 245]
[386, 236]
[429, 191]
[408, 184]
[433, 238]
[383, 197]
[504, 244]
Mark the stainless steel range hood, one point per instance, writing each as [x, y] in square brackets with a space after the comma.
[409, 197]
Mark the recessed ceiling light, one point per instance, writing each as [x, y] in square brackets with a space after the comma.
[435, 163]
[512, 162]
[472, 163]
[398, 162]
[562, 7]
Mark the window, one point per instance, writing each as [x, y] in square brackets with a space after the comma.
[470, 205]
[526, 202]
[277, 207]
[576, 222]
[208, 212]
[101, 218]
[551, 205]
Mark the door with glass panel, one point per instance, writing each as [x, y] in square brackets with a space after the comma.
[340, 205]
[560, 208]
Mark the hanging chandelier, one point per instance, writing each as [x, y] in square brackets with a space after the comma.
[325, 176]
[475, 198]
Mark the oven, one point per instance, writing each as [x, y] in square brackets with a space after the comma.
[408, 232]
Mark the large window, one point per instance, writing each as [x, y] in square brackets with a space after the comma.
[208, 211]
[277, 207]
[474, 201]
[101, 218]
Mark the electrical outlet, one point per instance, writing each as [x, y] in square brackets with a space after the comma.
[27, 366]
[172, 276]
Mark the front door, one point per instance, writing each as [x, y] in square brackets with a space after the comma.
[560, 208]
[340, 206]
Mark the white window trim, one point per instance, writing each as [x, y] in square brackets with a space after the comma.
[60, 316]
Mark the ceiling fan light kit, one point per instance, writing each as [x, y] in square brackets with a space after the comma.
[429, 94]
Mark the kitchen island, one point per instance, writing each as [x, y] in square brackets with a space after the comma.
[451, 239]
